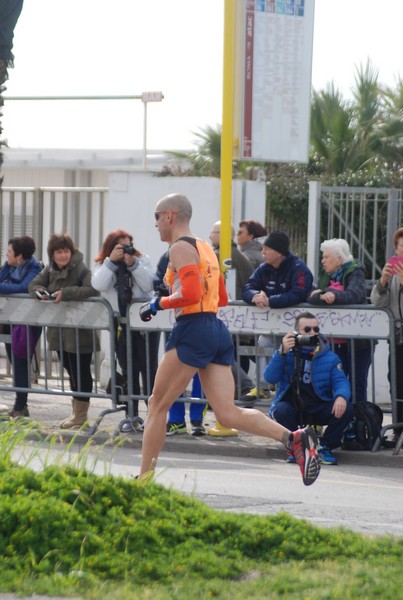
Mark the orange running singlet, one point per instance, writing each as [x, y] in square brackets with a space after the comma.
[209, 280]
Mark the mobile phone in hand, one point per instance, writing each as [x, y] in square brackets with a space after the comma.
[44, 295]
[395, 260]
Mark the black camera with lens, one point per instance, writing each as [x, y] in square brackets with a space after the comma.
[129, 249]
[305, 340]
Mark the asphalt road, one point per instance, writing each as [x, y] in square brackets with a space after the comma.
[363, 498]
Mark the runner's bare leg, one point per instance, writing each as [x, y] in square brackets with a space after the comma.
[218, 385]
[172, 378]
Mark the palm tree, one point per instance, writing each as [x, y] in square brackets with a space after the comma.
[205, 159]
[331, 130]
[357, 135]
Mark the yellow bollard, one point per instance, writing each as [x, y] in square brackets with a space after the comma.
[219, 430]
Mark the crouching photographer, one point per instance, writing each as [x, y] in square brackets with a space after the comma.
[312, 386]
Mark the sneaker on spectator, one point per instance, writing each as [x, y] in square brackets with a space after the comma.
[255, 394]
[303, 447]
[174, 428]
[197, 428]
[326, 456]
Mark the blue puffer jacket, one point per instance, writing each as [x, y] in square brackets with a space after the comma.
[327, 375]
[15, 280]
[286, 286]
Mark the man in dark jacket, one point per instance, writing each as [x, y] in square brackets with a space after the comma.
[243, 269]
[282, 280]
[311, 385]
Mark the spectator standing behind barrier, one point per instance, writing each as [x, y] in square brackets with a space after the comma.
[15, 275]
[282, 280]
[200, 342]
[242, 265]
[176, 416]
[243, 268]
[312, 386]
[123, 273]
[388, 293]
[343, 282]
[247, 240]
[68, 278]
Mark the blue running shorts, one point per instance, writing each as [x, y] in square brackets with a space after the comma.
[200, 339]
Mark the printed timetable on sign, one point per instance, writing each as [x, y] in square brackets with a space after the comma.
[276, 79]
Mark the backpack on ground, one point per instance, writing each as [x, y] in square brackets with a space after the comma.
[368, 423]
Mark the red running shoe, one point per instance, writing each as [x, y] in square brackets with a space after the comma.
[303, 447]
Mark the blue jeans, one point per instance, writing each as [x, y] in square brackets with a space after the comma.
[177, 410]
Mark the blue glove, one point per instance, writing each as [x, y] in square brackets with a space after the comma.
[149, 309]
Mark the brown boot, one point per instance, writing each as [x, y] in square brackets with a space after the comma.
[79, 416]
[70, 416]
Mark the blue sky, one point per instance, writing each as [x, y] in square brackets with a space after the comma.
[97, 47]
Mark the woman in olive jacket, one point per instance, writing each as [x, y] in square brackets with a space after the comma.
[65, 278]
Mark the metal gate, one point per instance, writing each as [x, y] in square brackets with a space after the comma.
[365, 217]
[39, 212]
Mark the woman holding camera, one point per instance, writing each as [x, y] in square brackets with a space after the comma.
[123, 273]
[15, 275]
[65, 278]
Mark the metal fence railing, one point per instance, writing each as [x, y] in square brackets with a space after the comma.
[40, 212]
[353, 322]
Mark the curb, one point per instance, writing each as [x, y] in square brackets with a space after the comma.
[241, 446]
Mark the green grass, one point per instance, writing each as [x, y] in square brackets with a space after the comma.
[65, 531]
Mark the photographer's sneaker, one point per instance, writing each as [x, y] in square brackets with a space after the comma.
[326, 456]
[303, 447]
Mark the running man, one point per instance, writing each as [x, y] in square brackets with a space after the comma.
[200, 342]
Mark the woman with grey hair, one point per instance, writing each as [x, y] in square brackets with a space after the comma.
[343, 282]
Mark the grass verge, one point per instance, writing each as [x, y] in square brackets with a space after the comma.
[65, 531]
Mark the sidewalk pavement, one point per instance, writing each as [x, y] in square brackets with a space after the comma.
[48, 410]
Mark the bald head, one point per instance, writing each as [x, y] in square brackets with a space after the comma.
[217, 226]
[179, 204]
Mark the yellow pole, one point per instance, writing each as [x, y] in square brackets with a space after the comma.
[226, 156]
[227, 132]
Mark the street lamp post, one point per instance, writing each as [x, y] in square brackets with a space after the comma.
[145, 97]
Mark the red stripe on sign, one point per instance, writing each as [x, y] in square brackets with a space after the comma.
[248, 78]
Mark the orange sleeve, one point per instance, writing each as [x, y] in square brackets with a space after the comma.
[190, 291]
[222, 292]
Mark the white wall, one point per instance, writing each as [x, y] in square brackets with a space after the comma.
[133, 196]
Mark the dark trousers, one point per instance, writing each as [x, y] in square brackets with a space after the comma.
[317, 413]
[21, 369]
[78, 367]
[139, 361]
[362, 362]
[399, 380]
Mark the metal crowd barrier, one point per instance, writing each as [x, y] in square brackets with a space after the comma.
[96, 314]
[349, 322]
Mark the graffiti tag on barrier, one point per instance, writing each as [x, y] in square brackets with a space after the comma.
[242, 318]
